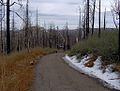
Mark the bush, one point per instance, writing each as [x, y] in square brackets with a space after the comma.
[106, 46]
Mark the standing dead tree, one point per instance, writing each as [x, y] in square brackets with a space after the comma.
[13, 33]
[1, 20]
[8, 4]
[114, 19]
[93, 16]
[99, 33]
[87, 18]
[79, 27]
[105, 20]
[67, 37]
[50, 37]
[27, 26]
[116, 10]
[8, 25]
[37, 30]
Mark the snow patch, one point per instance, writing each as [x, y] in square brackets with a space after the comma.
[106, 76]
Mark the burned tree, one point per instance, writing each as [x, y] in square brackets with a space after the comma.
[37, 30]
[116, 11]
[105, 20]
[79, 27]
[87, 19]
[67, 37]
[93, 16]
[1, 20]
[99, 33]
[8, 4]
[13, 33]
[27, 27]
[8, 25]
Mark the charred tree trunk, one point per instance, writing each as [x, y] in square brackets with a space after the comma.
[8, 26]
[67, 37]
[1, 38]
[93, 21]
[87, 20]
[43, 37]
[105, 20]
[37, 31]
[27, 27]
[13, 34]
[1, 28]
[79, 29]
[50, 37]
[84, 23]
[119, 31]
[99, 34]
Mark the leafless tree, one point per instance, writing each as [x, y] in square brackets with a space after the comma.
[93, 16]
[114, 19]
[37, 30]
[105, 20]
[67, 37]
[79, 28]
[1, 11]
[8, 5]
[87, 18]
[13, 33]
[116, 9]
[99, 34]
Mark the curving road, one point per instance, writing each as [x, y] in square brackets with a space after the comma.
[53, 74]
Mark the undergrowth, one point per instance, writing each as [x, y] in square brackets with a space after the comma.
[106, 47]
[16, 73]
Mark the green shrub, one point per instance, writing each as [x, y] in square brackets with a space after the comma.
[106, 46]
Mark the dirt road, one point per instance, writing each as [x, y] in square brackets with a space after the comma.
[53, 74]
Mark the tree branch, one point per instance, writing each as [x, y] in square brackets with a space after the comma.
[1, 2]
[18, 15]
[3, 15]
[16, 3]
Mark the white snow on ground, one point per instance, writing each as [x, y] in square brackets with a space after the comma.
[108, 78]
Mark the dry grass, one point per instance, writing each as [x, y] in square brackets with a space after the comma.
[91, 61]
[117, 68]
[16, 73]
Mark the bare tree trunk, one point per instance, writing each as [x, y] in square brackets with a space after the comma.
[105, 20]
[79, 29]
[13, 34]
[114, 20]
[50, 37]
[8, 26]
[87, 20]
[26, 27]
[93, 21]
[1, 29]
[43, 36]
[37, 31]
[67, 37]
[84, 23]
[1, 39]
[99, 34]
[119, 31]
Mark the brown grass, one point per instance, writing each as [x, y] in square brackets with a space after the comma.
[91, 61]
[117, 68]
[16, 73]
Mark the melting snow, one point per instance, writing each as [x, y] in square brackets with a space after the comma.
[106, 76]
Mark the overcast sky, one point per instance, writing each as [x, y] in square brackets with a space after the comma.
[61, 11]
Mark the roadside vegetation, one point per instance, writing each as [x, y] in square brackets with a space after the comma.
[106, 47]
[16, 69]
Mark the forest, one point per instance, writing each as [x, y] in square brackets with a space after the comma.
[22, 47]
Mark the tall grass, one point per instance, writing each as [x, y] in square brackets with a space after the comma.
[106, 46]
[16, 73]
